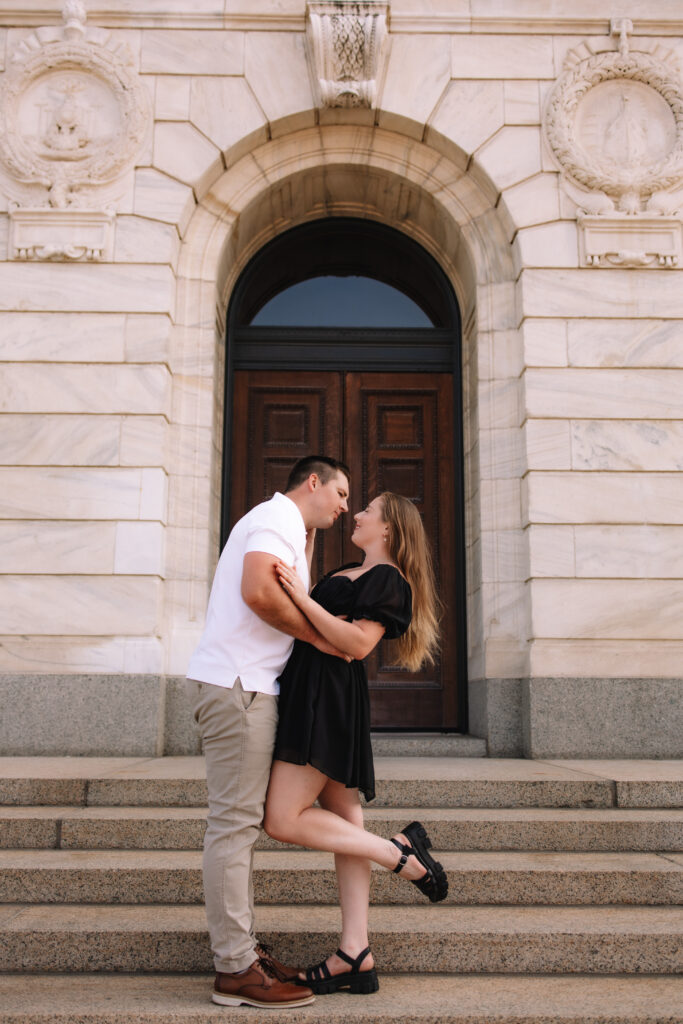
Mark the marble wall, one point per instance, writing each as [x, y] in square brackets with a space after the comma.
[111, 386]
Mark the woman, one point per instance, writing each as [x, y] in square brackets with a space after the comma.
[323, 751]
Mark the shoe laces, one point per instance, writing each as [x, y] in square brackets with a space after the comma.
[267, 967]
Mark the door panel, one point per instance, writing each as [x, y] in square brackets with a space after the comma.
[395, 433]
[277, 419]
[398, 437]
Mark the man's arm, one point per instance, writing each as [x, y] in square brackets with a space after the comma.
[262, 592]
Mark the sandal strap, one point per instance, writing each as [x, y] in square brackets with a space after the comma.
[354, 964]
[319, 972]
[405, 851]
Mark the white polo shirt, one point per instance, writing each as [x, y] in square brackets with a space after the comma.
[236, 642]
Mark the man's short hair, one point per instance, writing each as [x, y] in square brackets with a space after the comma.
[324, 467]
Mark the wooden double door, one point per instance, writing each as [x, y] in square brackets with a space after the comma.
[395, 432]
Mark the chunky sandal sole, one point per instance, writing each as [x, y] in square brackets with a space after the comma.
[359, 983]
[416, 834]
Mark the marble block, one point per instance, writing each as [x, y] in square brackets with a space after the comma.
[46, 440]
[287, 108]
[139, 549]
[599, 497]
[62, 337]
[548, 444]
[522, 102]
[184, 153]
[139, 240]
[583, 293]
[632, 552]
[625, 343]
[607, 609]
[80, 605]
[172, 98]
[57, 547]
[225, 110]
[192, 52]
[650, 445]
[68, 493]
[604, 394]
[533, 201]
[468, 113]
[512, 155]
[163, 198]
[545, 342]
[552, 551]
[425, 61]
[73, 388]
[502, 56]
[87, 288]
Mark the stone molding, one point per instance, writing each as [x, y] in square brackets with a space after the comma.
[73, 117]
[346, 50]
[621, 240]
[37, 233]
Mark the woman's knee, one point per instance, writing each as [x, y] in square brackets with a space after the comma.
[275, 823]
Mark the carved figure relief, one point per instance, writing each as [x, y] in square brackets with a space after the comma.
[346, 47]
[614, 122]
[73, 116]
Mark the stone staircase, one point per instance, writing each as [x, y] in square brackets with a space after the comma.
[566, 885]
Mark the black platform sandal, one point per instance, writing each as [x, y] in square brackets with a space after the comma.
[319, 979]
[434, 883]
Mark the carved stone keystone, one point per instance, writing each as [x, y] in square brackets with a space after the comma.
[346, 48]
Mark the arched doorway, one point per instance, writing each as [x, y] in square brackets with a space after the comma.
[343, 336]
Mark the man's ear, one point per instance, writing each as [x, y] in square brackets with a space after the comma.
[313, 481]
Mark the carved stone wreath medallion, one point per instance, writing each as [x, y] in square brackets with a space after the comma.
[72, 114]
[614, 121]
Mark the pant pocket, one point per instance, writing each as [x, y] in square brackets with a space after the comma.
[247, 697]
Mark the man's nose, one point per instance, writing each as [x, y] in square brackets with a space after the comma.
[345, 505]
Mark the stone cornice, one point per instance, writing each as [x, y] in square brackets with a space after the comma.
[17, 15]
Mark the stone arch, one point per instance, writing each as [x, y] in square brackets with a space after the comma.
[351, 170]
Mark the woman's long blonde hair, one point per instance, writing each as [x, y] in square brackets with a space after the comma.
[409, 548]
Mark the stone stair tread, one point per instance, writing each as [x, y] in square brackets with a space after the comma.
[427, 781]
[497, 828]
[430, 781]
[443, 939]
[456, 999]
[305, 877]
[426, 919]
[311, 860]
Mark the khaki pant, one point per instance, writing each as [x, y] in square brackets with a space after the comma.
[238, 732]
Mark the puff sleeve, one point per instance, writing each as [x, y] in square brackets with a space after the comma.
[382, 595]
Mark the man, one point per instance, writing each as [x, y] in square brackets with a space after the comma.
[250, 623]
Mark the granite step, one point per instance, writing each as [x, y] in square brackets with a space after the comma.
[436, 999]
[439, 939]
[297, 877]
[421, 744]
[182, 828]
[434, 782]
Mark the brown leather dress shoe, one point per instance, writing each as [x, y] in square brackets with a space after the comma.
[258, 987]
[281, 971]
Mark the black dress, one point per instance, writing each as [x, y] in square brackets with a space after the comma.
[324, 708]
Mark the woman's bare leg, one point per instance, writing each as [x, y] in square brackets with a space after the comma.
[291, 817]
[353, 880]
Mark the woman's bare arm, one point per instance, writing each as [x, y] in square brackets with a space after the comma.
[354, 638]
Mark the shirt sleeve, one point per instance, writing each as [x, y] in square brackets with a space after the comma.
[382, 595]
[271, 542]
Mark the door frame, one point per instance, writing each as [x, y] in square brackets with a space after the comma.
[436, 349]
